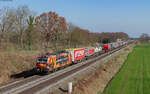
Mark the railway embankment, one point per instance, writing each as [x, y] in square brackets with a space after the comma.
[15, 64]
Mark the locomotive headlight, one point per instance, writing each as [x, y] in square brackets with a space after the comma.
[41, 65]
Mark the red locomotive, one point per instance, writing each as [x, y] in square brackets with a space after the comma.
[53, 61]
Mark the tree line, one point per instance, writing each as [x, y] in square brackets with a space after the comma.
[21, 29]
[144, 38]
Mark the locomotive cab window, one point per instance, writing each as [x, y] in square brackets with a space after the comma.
[42, 60]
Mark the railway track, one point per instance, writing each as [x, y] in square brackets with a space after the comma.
[39, 84]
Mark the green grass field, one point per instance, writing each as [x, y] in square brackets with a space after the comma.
[134, 77]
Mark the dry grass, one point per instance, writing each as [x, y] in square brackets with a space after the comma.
[15, 62]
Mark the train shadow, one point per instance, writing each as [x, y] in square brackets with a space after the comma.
[25, 74]
[31, 72]
[63, 90]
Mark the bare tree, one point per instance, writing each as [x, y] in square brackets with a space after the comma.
[144, 38]
[7, 19]
[22, 14]
[70, 28]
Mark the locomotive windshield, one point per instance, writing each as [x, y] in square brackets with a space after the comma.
[42, 60]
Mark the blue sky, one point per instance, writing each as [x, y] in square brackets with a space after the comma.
[130, 16]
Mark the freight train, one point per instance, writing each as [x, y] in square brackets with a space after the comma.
[50, 62]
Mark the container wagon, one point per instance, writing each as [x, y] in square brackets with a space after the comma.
[77, 54]
[89, 52]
